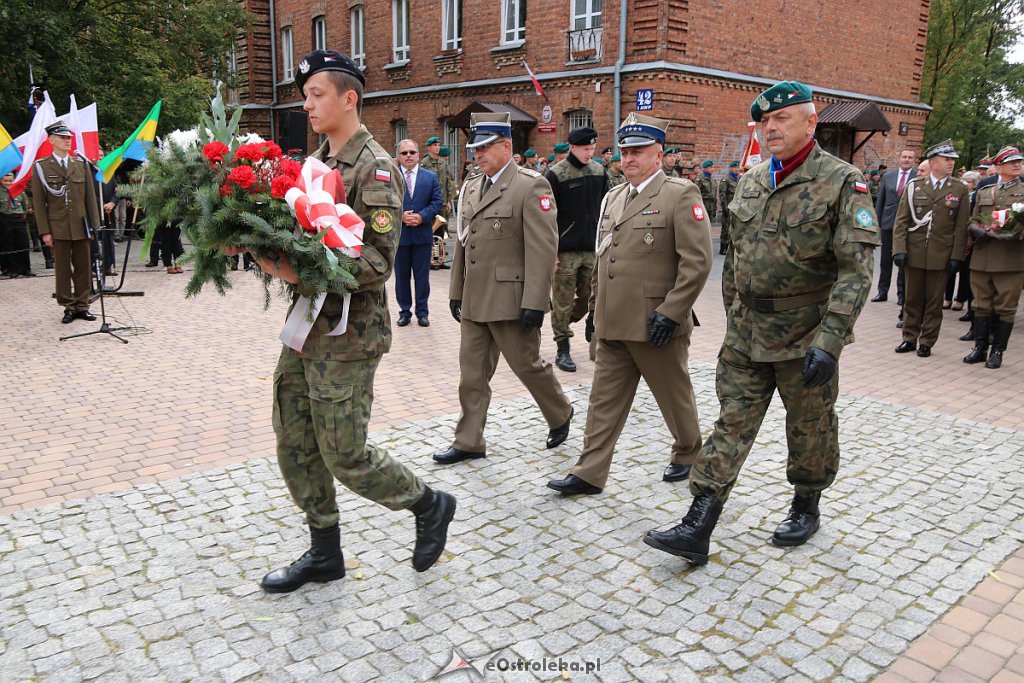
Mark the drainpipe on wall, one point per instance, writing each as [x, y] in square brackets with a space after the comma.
[618, 69]
[273, 70]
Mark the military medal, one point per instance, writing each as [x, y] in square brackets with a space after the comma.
[648, 239]
[497, 225]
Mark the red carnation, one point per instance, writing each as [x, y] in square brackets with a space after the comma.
[271, 150]
[225, 189]
[242, 176]
[215, 151]
[291, 168]
[250, 152]
[280, 186]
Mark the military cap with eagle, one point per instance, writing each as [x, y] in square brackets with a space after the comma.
[326, 60]
[486, 127]
[943, 149]
[639, 131]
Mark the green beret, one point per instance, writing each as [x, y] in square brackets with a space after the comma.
[873, 173]
[708, 163]
[432, 141]
[551, 157]
[671, 150]
[733, 164]
[529, 153]
[616, 157]
[444, 152]
[779, 96]
[561, 148]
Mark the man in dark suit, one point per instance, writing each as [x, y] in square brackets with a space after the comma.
[421, 203]
[886, 202]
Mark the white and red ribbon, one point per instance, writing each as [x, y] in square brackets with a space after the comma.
[1000, 218]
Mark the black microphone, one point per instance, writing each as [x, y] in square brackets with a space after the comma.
[86, 160]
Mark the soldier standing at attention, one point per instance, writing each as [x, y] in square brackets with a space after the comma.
[929, 241]
[803, 236]
[654, 256]
[530, 159]
[578, 184]
[670, 162]
[507, 239]
[63, 199]
[997, 262]
[615, 175]
[726, 191]
[434, 162]
[708, 188]
[322, 397]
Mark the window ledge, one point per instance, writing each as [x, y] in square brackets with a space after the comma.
[504, 47]
[396, 65]
[448, 54]
[286, 81]
[579, 62]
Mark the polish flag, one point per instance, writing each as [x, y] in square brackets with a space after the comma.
[34, 144]
[536, 83]
[82, 123]
[752, 155]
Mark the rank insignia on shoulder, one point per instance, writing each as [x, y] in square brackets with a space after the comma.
[382, 221]
[382, 175]
[698, 212]
[860, 187]
[545, 203]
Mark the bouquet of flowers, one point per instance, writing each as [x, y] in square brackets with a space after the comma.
[1001, 224]
[223, 192]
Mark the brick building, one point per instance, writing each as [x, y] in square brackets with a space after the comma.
[428, 63]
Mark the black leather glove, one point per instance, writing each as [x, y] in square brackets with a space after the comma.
[899, 259]
[455, 306]
[529, 318]
[977, 232]
[819, 366]
[660, 329]
[954, 266]
[588, 333]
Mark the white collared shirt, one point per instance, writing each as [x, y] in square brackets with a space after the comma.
[936, 183]
[62, 160]
[640, 188]
[494, 178]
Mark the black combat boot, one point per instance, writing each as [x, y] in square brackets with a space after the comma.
[980, 352]
[47, 257]
[691, 538]
[323, 562]
[434, 512]
[801, 522]
[1003, 330]
[969, 334]
[562, 359]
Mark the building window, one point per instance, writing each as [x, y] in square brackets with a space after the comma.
[400, 30]
[581, 118]
[320, 33]
[359, 36]
[586, 14]
[451, 24]
[287, 54]
[454, 143]
[401, 130]
[513, 21]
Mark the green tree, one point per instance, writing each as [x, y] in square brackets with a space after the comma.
[976, 93]
[123, 54]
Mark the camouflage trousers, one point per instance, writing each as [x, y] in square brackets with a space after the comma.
[321, 412]
[570, 291]
[745, 389]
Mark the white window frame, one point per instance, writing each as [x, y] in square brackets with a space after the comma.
[288, 54]
[358, 35]
[589, 18]
[513, 11]
[581, 118]
[453, 142]
[320, 33]
[401, 131]
[400, 31]
[451, 25]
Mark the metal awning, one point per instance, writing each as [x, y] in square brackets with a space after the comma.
[461, 120]
[863, 116]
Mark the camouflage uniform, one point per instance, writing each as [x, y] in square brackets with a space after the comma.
[726, 192]
[797, 276]
[444, 178]
[615, 178]
[322, 397]
[709, 194]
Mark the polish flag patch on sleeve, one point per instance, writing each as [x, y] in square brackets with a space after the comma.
[382, 175]
[860, 187]
[698, 212]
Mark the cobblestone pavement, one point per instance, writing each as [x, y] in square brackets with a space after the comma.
[160, 581]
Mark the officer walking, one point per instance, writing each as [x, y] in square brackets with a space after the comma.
[322, 397]
[929, 241]
[578, 184]
[501, 282]
[654, 256]
[726, 192]
[803, 235]
[708, 188]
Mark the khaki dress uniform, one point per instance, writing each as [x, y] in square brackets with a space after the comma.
[997, 263]
[654, 254]
[938, 236]
[504, 261]
[62, 197]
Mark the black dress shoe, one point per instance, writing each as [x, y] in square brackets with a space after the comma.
[880, 297]
[899, 325]
[152, 264]
[967, 317]
[444, 266]
[924, 351]
[558, 435]
[906, 347]
[403, 320]
[572, 485]
[434, 512]
[691, 538]
[454, 455]
[801, 522]
[323, 562]
[423, 321]
[84, 315]
[68, 317]
[28, 274]
[676, 473]
[968, 335]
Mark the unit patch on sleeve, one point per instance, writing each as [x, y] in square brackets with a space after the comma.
[382, 175]
[545, 203]
[860, 187]
[382, 221]
[698, 212]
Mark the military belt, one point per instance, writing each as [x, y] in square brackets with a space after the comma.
[785, 303]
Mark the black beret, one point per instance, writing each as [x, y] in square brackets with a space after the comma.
[326, 60]
[582, 136]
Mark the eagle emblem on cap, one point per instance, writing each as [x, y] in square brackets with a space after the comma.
[762, 102]
[304, 66]
[778, 99]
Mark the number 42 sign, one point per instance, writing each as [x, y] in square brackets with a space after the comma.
[644, 100]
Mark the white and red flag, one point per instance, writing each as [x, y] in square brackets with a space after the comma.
[536, 83]
[752, 155]
[83, 124]
[33, 144]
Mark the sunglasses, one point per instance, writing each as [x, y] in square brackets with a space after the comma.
[408, 152]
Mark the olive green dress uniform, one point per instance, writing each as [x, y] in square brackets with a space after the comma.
[929, 249]
[63, 218]
[322, 397]
[504, 261]
[997, 263]
[800, 268]
[654, 254]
